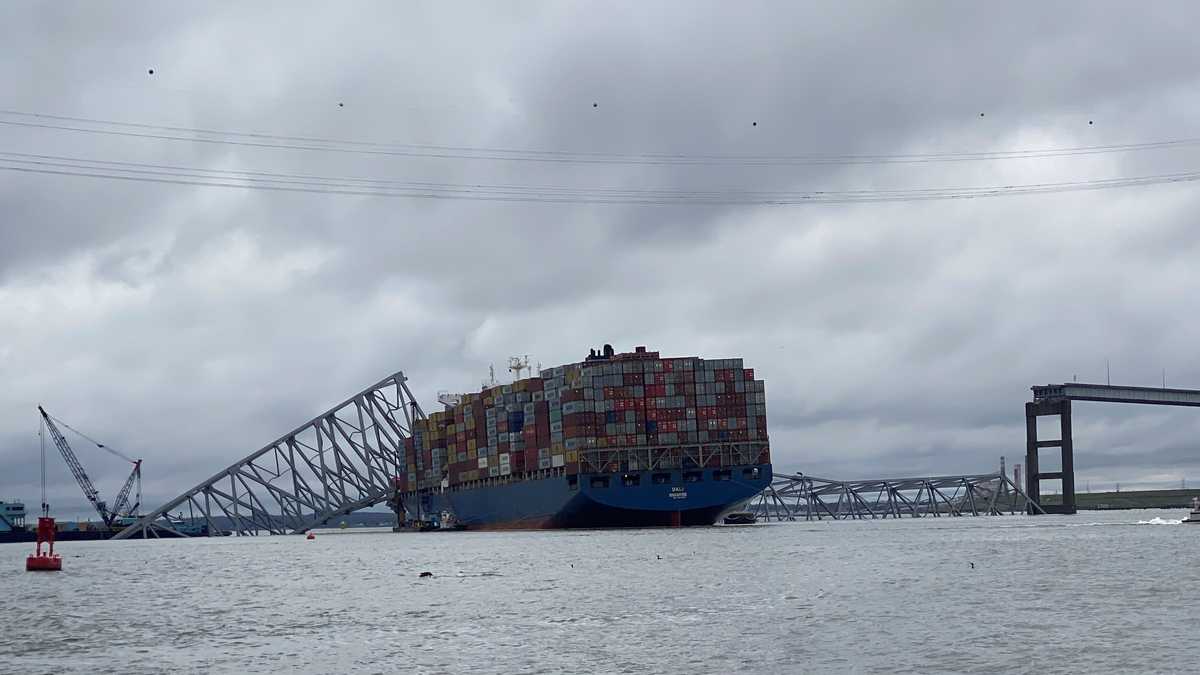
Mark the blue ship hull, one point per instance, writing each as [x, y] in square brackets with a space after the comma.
[634, 499]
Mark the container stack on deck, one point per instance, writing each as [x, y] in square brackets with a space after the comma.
[608, 414]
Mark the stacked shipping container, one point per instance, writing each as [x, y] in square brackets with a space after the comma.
[626, 412]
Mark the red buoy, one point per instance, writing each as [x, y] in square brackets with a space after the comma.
[311, 536]
[48, 561]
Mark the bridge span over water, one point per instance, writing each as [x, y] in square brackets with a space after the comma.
[345, 459]
[1055, 400]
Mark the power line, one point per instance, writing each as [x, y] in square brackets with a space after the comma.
[285, 182]
[431, 151]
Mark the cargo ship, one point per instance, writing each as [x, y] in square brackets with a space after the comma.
[616, 440]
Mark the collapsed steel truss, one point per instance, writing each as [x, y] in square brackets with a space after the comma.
[795, 497]
[343, 460]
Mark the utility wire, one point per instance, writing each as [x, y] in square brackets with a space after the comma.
[261, 180]
[318, 144]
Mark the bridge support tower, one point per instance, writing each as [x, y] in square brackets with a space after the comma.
[1033, 473]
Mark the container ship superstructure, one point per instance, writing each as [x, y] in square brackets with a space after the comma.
[616, 440]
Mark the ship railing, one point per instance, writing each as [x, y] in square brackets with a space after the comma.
[687, 456]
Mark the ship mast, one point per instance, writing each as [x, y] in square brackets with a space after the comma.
[517, 364]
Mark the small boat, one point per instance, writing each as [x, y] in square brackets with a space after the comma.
[740, 518]
[1194, 516]
[447, 523]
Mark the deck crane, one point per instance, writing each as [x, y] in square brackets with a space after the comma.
[121, 509]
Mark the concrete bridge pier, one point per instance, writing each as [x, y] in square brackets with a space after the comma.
[1033, 473]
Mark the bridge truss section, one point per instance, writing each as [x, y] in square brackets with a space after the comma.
[801, 497]
[343, 460]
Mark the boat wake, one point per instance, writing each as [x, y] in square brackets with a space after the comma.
[1161, 521]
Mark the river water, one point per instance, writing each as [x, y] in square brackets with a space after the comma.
[1113, 592]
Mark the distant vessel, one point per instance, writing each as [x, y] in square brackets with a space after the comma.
[12, 522]
[615, 440]
[13, 527]
[1194, 516]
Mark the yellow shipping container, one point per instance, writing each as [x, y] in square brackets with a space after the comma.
[470, 444]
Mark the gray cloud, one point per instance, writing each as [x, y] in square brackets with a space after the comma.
[189, 325]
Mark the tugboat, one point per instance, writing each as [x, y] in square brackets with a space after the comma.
[1194, 516]
[447, 523]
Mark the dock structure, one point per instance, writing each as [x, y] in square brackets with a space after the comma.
[1055, 400]
[800, 497]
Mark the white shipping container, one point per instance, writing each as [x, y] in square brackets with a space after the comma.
[483, 463]
[557, 461]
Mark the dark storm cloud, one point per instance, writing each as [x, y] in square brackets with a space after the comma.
[190, 325]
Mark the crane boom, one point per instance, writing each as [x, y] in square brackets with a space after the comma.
[123, 496]
[81, 477]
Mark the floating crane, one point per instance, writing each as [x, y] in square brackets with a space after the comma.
[121, 510]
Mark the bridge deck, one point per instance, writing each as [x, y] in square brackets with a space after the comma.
[1077, 391]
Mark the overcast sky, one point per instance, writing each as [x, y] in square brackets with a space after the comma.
[189, 325]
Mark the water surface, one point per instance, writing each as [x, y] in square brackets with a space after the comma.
[1112, 592]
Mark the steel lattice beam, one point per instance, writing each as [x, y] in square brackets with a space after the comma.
[340, 461]
[795, 497]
